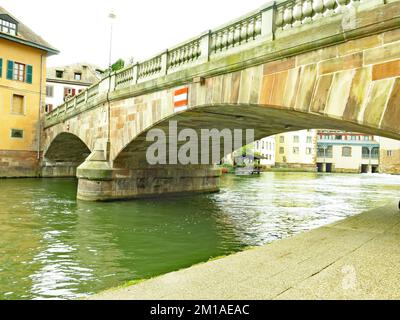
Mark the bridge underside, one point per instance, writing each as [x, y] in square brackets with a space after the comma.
[131, 176]
[64, 156]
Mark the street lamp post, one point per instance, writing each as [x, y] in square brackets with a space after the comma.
[112, 16]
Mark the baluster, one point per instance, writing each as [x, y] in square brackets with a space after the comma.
[341, 5]
[279, 18]
[250, 30]
[288, 17]
[213, 43]
[244, 30]
[219, 41]
[224, 43]
[318, 6]
[236, 34]
[198, 50]
[307, 11]
[329, 7]
[297, 13]
[231, 36]
[258, 26]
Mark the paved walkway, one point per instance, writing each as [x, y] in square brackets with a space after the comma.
[358, 258]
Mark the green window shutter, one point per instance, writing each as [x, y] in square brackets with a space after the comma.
[10, 69]
[1, 67]
[29, 74]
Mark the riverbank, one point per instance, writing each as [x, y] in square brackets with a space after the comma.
[357, 258]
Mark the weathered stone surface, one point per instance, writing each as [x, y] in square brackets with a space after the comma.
[317, 55]
[308, 78]
[292, 87]
[378, 97]
[279, 66]
[337, 102]
[386, 70]
[350, 61]
[18, 164]
[391, 36]
[358, 93]
[392, 113]
[321, 93]
[267, 87]
[279, 88]
[358, 45]
[381, 54]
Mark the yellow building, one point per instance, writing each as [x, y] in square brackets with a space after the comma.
[22, 93]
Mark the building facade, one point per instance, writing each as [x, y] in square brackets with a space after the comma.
[347, 152]
[389, 156]
[67, 81]
[296, 150]
[265, 148]
[22, 94]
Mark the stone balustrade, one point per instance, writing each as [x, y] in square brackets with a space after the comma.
[185, 54]
[293, 13]
[258, 26]
[236, 34]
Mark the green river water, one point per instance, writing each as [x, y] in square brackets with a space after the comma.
[54, 247]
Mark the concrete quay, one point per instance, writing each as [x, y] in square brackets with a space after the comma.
[357, 258]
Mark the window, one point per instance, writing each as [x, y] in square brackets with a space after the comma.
[49, 108]
[19, 72]
[309, 151]
[17, 133]
[281, 139]
[339, 137]
[309, 139]
[346, 152]
[69, 92]
[281, 150]
[296, 150]
[8, 27]
[296, 139]
[78, 76]
[59, 74]
[367, 138]
[50, 91]
[17, 104]
[389, 153]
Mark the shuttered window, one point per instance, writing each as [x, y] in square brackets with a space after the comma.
[19, 72]
[10, 69]
[29, 74]
[1, 67]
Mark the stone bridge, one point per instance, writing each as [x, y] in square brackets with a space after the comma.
[290, 65]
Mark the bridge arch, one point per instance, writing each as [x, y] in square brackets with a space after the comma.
[266, 120]
[63, 155]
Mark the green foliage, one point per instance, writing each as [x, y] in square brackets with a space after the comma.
[118, 65]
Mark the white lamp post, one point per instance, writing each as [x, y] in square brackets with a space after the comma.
[112, 16]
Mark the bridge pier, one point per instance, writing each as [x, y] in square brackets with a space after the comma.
[98, 181]
[59, 169]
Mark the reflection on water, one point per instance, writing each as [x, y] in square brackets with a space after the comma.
[52, 246]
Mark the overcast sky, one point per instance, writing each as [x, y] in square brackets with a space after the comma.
[80, 29]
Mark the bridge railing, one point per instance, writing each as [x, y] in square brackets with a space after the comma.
[258, 26]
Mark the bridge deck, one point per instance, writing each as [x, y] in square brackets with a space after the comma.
[357, 258]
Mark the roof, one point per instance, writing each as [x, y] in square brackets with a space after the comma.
[90, 73]
[26, 36]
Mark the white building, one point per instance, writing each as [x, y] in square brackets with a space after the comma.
[297, 149]
[347, 152]
[67, 81]
[266, 149]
